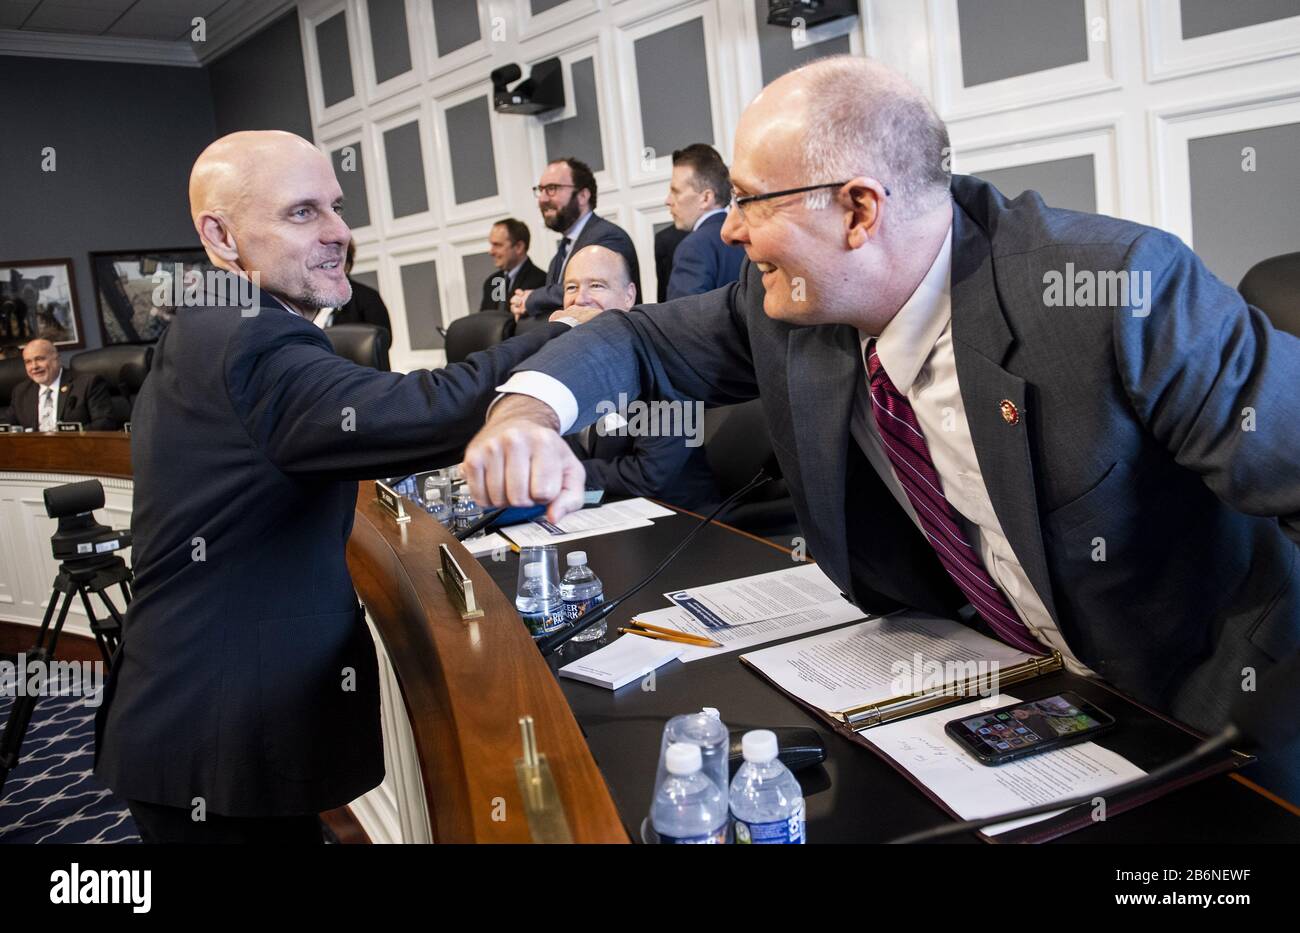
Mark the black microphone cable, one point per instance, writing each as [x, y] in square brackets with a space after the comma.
[1226, 738]
[553, 643]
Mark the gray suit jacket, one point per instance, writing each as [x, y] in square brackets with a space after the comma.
[1172, 437]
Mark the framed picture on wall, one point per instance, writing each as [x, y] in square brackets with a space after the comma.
[38, 298]
[137, 291]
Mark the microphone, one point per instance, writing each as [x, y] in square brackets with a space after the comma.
[1265, 720]
[553, 643]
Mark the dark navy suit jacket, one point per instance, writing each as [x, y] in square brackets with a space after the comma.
[246, 674]
[597, 232]
[662, 468]
[703, 262]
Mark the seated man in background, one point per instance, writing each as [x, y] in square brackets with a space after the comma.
[56, 394]
[698, 195]
[508, 245]
[617, 460]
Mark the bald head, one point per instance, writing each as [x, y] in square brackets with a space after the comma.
[598, 277]
[845, 116]
[41, 358]
[266, 202]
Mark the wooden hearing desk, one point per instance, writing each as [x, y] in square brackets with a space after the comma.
[453, 690]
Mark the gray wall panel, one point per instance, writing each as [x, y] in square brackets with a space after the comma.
[477, 266]
[673, 79]
[455, 24]
[1068, 183]
[389, 39]
[1004, 38]
[367, 278]
[776, 51]
[356, 207]
[240, 78]
[1203, 17]
[423, 306]
[541, 6]
[335, 62]
[579, 135]
[1240, 217]
[405, 169]
[473, 164]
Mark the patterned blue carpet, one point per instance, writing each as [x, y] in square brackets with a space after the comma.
[52, 796]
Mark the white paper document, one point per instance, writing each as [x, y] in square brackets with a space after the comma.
[624, 660]
[587, 523]
[760, 597]
[485, 544]
[739, 637]
[973, 789]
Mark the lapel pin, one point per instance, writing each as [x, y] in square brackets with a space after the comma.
[1010, 414]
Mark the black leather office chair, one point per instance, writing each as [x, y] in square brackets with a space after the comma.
[12, 373]
[525, 324]
[132, 378]
[363, 344]
[737, 444]
[1273, 286]
[108, 363]
[477, 331]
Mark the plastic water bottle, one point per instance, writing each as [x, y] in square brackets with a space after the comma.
[464, 510]
[434, 505]
[582, 591]
[538, 600]
[688, 807]
[766, 800]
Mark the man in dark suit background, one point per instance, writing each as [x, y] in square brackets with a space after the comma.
[698, 195]
[364, 307]
[54, 393]
[508, 244]
[244, 699]
[666, 241]
[668, 467]
[566, 196]
[1084, 473]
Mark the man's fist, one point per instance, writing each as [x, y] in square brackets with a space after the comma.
[517, 302]
[519, 459]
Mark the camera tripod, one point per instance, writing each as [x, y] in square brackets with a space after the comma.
[81, 577]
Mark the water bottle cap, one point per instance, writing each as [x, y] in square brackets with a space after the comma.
[759, 746]
[683, 758]
[577, 558]
[536, 569]
[435, 495]
[710, 711]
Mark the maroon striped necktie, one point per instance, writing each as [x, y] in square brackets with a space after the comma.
[908, 452]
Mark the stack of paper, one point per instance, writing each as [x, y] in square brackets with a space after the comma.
[624, 660]
[587, 523]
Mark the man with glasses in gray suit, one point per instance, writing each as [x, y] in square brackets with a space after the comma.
[1062, 420]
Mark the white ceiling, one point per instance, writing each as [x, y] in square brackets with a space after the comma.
[132, 19]
[89, 28]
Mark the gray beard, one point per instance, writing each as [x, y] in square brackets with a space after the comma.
[316, 300]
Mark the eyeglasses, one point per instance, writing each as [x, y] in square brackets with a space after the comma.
[743, 202]
[549, 189]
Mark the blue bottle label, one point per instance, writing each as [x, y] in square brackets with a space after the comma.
[574, 608]
[544, 623]
[790, 831]
[716, 838]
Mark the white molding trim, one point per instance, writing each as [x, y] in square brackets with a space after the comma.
[33, 44]
[232, 29]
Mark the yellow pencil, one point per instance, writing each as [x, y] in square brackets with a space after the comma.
[673, 636]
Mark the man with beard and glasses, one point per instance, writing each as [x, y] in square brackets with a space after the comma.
[244, 699]
[566, 196]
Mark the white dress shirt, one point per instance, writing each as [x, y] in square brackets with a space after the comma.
[916, 352]
[706, 215]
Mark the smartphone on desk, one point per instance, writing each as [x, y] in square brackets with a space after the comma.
[1028, 728]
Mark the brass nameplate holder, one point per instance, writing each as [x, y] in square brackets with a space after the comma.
[542, 804]
[391, 501]
[68, 427]
[127, 427]
[458, 585]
